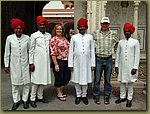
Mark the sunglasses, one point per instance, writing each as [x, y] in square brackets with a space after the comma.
[82, 27]
[41, 24]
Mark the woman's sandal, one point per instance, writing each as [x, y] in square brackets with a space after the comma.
[64, 95]
[62, 98]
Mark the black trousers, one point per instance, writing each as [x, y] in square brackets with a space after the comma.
[62, 77]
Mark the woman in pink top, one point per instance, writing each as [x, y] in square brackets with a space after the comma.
[59, 46]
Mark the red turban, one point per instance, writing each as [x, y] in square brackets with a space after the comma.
[128, 26]
[17, 22]
[82, 22]
[40, 19]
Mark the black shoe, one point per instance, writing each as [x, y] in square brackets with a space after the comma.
[77, 100]
[25, 105]
[96, 100]
[85, 100]
[120, 100]
[129, 103]
[33, 104]
[106, 100]
[15, 105]
[42, 100]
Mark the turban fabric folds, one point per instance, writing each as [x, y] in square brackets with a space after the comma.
[40, 19]
[17, 22]
[130, 27]
[82, 22]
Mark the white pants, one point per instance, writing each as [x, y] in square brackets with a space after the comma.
[36, 90]
[81, 90]
[16, 92]
[123, 90]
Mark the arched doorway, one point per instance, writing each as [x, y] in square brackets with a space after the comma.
[25, 10]
[59, 12]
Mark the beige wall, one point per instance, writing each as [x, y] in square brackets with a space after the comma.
[118, 16]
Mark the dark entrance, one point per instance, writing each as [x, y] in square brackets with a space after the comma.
[25, 10]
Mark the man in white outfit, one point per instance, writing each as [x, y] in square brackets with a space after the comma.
[39, 58]
[81, 60]
[126, 64]
[16, 61]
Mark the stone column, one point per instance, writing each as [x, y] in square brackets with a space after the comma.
[92, 15]
[104, 8]
[123, 20]
[136, 5]
[80, 10]
[97, 14]
[100, 12]
[89, 16]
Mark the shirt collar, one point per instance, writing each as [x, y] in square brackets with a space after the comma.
[100, 30]
[81, 34]
[18, 38]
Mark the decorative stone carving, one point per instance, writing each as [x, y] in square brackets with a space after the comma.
[97, 14]
[142, 13]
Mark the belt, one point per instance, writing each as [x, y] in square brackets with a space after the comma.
[105, 58]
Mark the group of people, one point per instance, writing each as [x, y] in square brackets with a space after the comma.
[28, 60]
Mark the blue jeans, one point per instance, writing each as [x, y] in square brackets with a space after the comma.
[106, 66]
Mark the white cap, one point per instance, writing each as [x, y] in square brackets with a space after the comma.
[105, 20]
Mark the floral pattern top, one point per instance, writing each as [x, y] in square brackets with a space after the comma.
[59, 48]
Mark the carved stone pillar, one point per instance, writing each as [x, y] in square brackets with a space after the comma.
[80, 10]
[89, 16]
[97, 14]
[123, 20]
[100, 12]
[104, 8]
[136, 5]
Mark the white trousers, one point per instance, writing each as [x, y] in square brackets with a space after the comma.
[17, 95]
[81, 90]
[123, 90]
[36, 90]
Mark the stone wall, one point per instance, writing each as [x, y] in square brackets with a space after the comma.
[114, 10]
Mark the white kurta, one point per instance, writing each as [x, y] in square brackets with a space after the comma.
[81, 58]
[127, 58]
[17, 56]
[39, 55]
